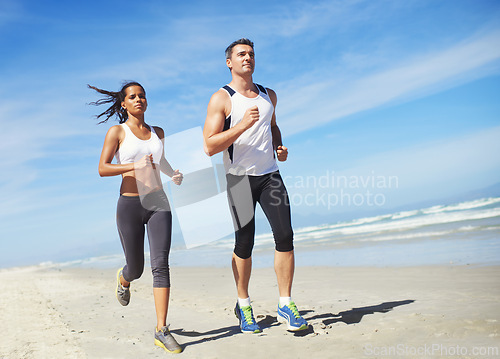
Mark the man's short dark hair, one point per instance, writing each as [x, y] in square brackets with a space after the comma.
[243, 41]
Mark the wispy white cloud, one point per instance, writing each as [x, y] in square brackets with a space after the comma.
[187, 46]
[322, 101]
[436, 169]
[35, 144]
[302, 17]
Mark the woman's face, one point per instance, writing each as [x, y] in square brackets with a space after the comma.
[135, 100]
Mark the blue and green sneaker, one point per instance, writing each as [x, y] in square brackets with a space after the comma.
[247, 321]
[289, 314]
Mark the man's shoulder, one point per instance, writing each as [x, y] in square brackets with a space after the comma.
[220, 96]
[272, 95]
[220, 102]
[268, 91]
[262, 88]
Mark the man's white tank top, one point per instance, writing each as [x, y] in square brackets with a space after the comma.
[252, 153]
[133, 148]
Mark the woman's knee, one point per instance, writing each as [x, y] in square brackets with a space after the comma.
[161, 276]
[131, 273]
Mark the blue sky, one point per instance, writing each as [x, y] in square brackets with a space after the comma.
[405, 90]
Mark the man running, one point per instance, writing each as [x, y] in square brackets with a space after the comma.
[241, 122]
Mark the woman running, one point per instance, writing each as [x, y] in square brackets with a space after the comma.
[138, 149]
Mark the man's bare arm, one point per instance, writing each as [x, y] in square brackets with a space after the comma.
[215, 139]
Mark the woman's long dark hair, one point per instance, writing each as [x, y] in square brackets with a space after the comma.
[116, 99]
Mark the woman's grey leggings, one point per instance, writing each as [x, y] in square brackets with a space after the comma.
[152, 211]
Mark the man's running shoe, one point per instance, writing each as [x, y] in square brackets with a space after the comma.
[247, 321]
[165, 340]
[289, 314]
[122, 293]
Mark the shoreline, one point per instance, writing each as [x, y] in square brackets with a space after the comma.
[383, 254]
[352, 312]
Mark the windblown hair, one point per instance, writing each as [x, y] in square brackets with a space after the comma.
[243, 41]
[115, 99]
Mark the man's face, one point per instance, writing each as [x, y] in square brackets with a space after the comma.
[242, 59]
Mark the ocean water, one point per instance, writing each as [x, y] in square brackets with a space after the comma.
[461, 233]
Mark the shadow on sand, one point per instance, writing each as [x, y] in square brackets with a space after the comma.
[352, 316]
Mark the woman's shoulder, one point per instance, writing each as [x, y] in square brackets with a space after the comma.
[159, 131]
[116, 131]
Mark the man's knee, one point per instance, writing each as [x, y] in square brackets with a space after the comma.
[244, 241]
[284, 241]
[244, 244]
[243, 251]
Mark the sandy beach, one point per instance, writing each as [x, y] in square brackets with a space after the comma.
[426, 311]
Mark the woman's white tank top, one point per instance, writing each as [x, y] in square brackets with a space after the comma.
[133, 149]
